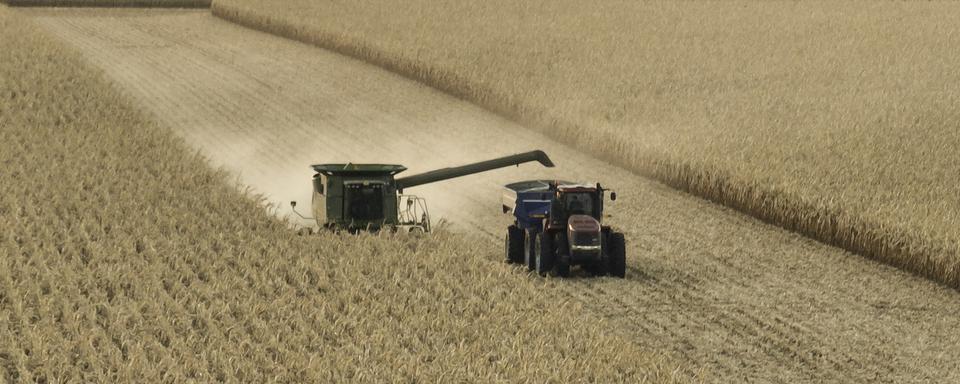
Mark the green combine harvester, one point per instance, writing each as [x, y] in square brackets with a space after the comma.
[369, 197]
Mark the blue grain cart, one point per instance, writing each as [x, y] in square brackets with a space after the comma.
[557, 225]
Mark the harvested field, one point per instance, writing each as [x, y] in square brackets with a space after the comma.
[125, 259]
[834, 119]
[714, 288]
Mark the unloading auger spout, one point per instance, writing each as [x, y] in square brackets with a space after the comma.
[469, 169]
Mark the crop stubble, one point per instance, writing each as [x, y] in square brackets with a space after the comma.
[125, 258]
[716, 288]
[834, 119]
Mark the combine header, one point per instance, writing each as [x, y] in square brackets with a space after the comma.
[557, 225]
[357, 197]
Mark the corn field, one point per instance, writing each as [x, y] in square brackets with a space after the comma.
[125, 258]
[836, 120]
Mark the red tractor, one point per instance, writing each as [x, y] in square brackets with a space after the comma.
[559, 225]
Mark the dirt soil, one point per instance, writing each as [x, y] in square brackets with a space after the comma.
[747, 301]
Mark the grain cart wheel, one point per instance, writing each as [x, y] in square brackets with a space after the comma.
[513, 245]
[529, 257]
[617, 262]
[546, 254]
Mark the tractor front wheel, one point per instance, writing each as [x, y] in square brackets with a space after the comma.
[617, 256]
[599, 267]
[513, 245]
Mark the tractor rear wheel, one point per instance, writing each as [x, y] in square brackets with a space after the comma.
[513, 245]
[546, 254]
[529, 255]
[561, 250]
[617, 255]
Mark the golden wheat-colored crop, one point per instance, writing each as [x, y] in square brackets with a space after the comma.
[124, 258]
[834, 119]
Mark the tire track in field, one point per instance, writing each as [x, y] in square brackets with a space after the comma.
[747, 301]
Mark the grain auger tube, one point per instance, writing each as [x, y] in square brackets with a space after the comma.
[368, 197]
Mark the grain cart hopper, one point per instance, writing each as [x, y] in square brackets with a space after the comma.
[356, 197]
[558, 224]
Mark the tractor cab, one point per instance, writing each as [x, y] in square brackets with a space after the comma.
[577, 199]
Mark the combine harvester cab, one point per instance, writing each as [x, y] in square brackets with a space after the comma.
[558, 224]
[357, 197]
